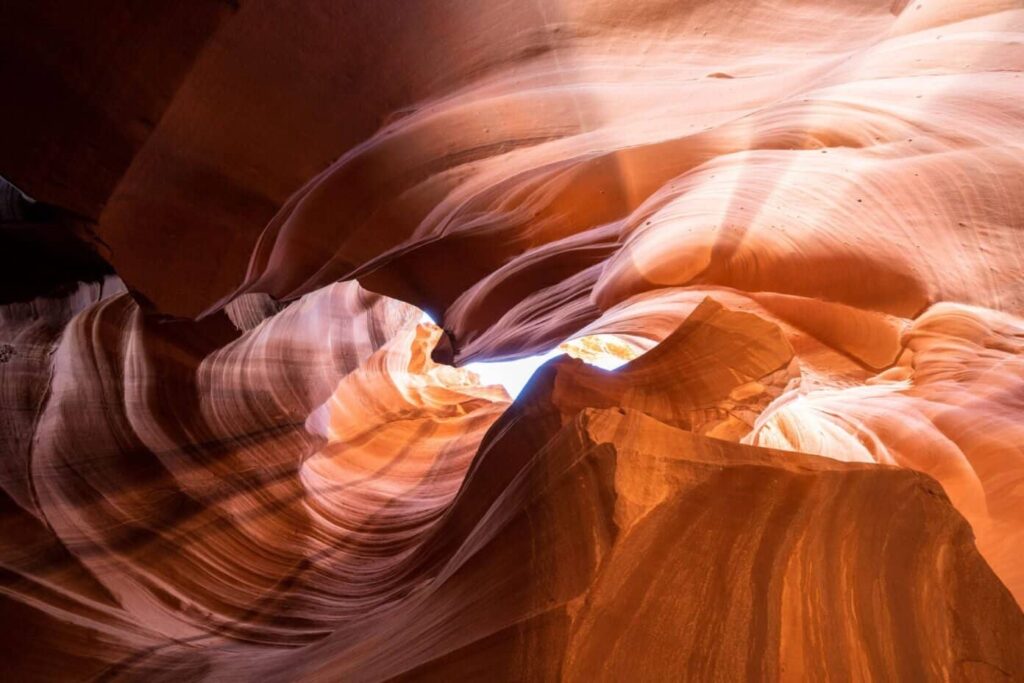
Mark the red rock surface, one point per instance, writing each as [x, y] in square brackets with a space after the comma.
[243, 457]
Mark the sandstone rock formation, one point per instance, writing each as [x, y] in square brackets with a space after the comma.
[230, 449]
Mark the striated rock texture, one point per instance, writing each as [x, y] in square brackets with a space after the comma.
[230, 449]
[272, 529]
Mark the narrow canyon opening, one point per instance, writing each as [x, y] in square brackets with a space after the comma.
[604, 351]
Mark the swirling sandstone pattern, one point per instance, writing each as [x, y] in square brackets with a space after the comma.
[243, 456]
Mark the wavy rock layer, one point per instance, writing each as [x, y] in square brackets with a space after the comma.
[279, 530]
[152, 487]
[548, 583]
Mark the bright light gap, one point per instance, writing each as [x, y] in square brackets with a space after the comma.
[514, 374]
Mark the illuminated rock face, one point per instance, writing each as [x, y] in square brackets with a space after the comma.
[411, 522]
[243, 456]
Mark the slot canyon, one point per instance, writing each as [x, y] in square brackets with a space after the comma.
[512, 340]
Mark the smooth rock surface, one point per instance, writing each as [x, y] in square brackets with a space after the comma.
[230, 450]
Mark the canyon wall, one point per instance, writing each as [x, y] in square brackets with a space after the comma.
[232, 448]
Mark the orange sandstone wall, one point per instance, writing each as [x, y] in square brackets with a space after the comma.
[243, 456]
